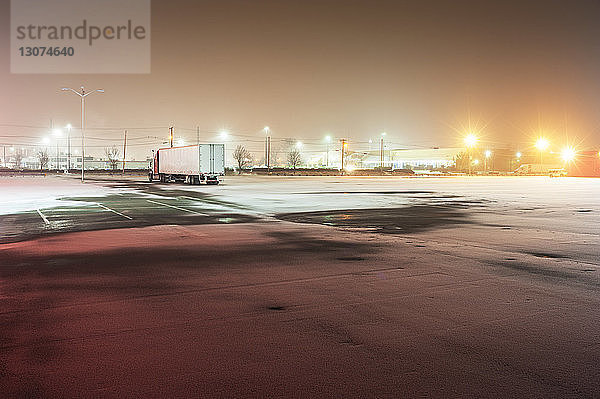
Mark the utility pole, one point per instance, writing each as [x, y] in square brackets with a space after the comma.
[469, 159]
[171, 136]
[124, 150]
[382, 152]
[267, 147]
[52, 131]
[4, 158]
[198, 135]
[268, 152]
[344, 145]
[69, 127]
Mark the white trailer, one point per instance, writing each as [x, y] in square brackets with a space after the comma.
[192, 164]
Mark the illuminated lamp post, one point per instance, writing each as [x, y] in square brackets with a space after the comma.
[327, 141]
[382, 151]
[69, 127]
[82, 94]
[568, 154]
[470, 142]
[488, 154]
[267, 147]
[542, 145]
[57, 133]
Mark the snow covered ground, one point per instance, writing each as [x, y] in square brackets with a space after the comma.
[300, 287]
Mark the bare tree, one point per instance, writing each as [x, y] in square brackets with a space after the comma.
[294, 158]
[44, 158]
[461, 161]
[280, 150]
[18, 157]
[112, 155]
[242, 157]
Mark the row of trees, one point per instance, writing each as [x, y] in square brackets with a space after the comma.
[241, 155]
[112, 155]
[244, 158]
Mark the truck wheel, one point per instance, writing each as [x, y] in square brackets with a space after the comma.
[150, 177]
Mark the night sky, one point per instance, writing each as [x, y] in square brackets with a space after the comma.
[416, 70]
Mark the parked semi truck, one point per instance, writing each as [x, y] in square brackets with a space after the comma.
[192, 164]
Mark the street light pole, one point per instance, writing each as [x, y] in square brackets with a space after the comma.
[82, 94]
[69, 147]
[542, 144]
[381, 151]
[327, 141]
[267, 147]
[488, 154]
[344, 145]
[57, 134]
[470, 142]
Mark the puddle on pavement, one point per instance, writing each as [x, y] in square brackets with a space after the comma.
[399, 220]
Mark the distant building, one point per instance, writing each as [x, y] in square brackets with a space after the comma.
[416, 159]
[585, 164]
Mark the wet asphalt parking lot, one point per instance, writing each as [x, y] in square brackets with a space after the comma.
[300, 287]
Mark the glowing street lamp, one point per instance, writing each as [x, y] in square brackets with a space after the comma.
[470, 142]
[298, 144]
[542, 145]
[488, 154]
[568, 154]
[518, 154]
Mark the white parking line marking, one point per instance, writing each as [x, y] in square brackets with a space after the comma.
[176, 207]
[42, 216]
[112, 210]
[245, 211]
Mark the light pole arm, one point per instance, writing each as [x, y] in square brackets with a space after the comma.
[92, 92]
[74, 91]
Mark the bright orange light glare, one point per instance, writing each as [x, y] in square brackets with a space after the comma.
[568, 154]
[471, 140]
[542, 144]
